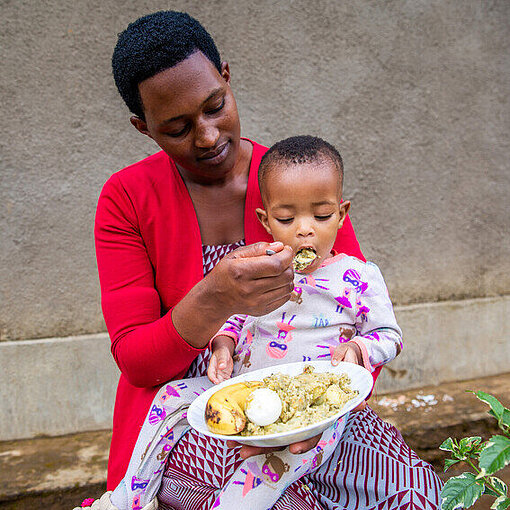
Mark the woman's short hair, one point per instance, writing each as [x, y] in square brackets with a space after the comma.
[154, 43]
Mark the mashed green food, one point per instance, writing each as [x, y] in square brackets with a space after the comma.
[306, 399]
[303, 259]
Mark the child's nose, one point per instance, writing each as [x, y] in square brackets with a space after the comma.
[305, 228]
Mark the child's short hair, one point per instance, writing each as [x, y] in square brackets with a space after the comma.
[299, 150]
[154, 43]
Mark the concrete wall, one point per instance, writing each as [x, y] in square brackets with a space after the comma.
[415, 95]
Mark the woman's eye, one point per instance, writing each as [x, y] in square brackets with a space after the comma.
[217, 108]
[323, 217]
[177, 134]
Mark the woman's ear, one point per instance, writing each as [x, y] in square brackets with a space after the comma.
[225, 72]
[344, 209]
[262, 216]
[140, 125]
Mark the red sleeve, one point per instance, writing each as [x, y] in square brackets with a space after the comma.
[346, 241]
[146, 346]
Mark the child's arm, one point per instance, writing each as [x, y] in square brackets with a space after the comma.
[222, 346]
[378, 337]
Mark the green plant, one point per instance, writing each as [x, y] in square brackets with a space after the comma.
[485, 458]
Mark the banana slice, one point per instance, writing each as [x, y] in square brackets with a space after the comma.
[224, 411]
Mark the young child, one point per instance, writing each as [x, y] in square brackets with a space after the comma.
[340, 309]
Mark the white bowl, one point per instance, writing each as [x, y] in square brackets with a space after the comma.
[361, 380]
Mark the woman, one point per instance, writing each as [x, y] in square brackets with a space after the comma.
[165, 223]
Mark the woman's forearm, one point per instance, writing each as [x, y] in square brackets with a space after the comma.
[199, 316]
[151, 354]
[246, 281]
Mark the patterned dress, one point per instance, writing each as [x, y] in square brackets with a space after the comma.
[372, 468]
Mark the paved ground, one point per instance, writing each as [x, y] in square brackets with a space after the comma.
[58, 473]
[55, 472]
[426, 417]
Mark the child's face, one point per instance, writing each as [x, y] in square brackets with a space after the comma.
[303, 208]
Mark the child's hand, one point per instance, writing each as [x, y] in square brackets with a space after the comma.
[221, 363]
[349, 352]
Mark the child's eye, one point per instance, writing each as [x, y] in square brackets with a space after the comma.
[323, 217]
[284, 220]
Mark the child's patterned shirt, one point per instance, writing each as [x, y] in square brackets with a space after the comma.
[344, 299]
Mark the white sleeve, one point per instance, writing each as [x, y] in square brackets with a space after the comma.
[376, 327]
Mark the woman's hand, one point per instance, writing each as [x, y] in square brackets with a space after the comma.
[248, 281]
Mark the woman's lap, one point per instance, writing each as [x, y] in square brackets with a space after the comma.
[196, 468]
[372, 468]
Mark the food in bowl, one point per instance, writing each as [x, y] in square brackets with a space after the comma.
[224, 411]
[305, 399]
[263, 407]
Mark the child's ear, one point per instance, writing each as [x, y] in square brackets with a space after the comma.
[262, 216]
[344, 209]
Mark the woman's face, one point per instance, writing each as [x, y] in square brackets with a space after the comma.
[191, 113]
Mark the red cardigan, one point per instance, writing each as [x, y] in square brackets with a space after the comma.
[149, 255]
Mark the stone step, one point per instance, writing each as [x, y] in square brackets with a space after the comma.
[54, 472]
[427, 416]
[59, 472]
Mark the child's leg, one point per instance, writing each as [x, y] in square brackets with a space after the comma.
[164, 425]
[260, 481]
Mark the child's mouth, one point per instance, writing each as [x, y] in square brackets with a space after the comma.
[304, 258]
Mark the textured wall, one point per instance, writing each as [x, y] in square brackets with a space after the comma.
[415, 94]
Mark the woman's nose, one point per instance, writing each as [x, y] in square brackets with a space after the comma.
[207, 135]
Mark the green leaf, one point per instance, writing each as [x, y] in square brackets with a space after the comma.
[503, 420]
[496, 406]
[501, 503]
[461, 491]
[488, 491]
[499, 484]
[470, 441]
[469, 446]
[450, 462]
[448, 445]
[495, 455]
